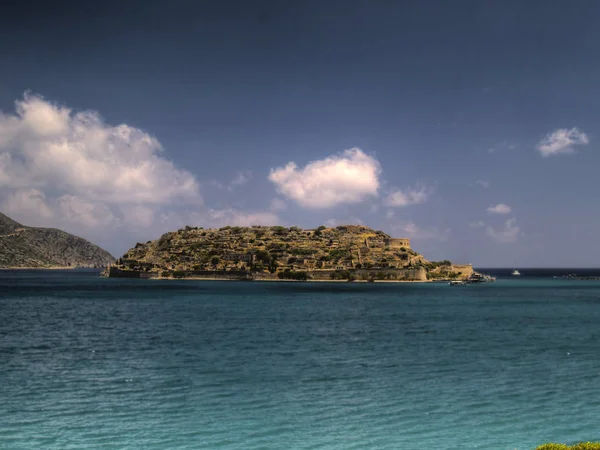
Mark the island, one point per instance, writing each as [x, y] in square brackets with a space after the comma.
[343, 253]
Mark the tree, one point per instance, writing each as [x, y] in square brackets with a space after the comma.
[215, 260]
[273, 266]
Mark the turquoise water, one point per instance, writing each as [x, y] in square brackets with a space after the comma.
[95, 363]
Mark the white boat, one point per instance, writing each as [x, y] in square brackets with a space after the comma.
[457, 283]
[516, 273]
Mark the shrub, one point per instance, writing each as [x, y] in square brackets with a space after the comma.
[293, 275]
[302, 251]
[319, 230]
[279, 230]
[263, 256]
[164, 242]
[273, 266]
[340, 275]
[339, 253]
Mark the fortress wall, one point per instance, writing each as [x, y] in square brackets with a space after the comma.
[397, 243]
[466, 269]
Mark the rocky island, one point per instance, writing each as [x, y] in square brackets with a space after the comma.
[23, 247]
[351, 253]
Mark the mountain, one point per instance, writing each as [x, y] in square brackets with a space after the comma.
[347, 252]
[30, 247]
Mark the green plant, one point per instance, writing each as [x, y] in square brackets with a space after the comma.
[293, 275]
[340, 275]
[279, 230]
[263, 256]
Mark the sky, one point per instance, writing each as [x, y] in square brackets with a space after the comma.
[469, 127]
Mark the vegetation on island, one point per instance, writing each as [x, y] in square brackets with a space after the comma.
[350, 252]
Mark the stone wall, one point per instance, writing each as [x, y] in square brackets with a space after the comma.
[397, 243]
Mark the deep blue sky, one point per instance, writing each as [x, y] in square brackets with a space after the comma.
[439, 94]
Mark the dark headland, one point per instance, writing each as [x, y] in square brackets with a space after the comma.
[23, 247]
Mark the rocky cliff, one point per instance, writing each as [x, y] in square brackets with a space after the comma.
[344, 252]
[30, 247]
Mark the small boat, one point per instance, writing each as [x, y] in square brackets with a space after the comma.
[480, 278]
[515, 273]
[457, 283]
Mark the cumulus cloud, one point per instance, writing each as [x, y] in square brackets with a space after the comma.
[411, 196]
[61, 167]
[562, 141]
[500, 208]
[508, 234]
[350, 177]
[29, 204]
[483, 183]
[45, 145]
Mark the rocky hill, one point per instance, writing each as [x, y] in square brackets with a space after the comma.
[349, 252]
[29, 247]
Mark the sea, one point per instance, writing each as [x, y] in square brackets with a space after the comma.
[94, 363]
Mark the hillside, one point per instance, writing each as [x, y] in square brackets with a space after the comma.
[350, 252]
[30, 247]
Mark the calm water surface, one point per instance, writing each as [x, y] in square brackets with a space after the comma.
[95, 363]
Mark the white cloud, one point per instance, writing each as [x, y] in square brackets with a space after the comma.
[139, 216]
[79, 211]
[561, 141]
[389, 214]
[28, 204]
[500, 208]
[478, 224]
[413, 231]
[64, 168]
[411, 196]
[508, 234]
[483, 183]
[350, 177]
[76, 153]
